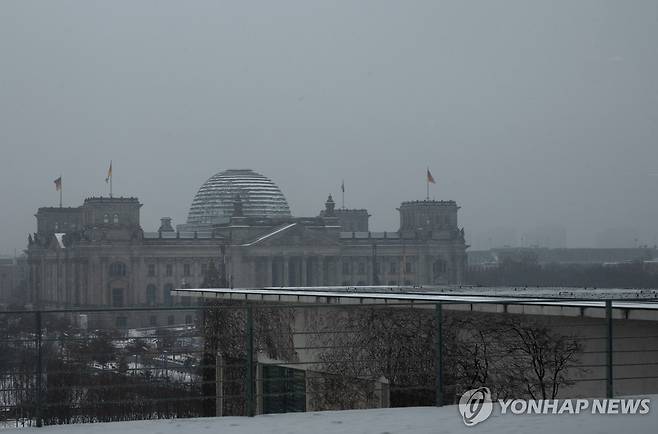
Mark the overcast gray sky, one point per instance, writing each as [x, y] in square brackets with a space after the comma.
[527, 112]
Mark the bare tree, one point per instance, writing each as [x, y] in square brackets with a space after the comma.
[540, 358]
[513, 356]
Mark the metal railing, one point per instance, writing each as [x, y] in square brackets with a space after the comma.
[246, 358]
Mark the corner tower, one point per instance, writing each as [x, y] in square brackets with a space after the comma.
[112, 218]
[427, 217]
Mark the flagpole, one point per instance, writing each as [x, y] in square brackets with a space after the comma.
[427, 181]
[343, 193]
[109, 177]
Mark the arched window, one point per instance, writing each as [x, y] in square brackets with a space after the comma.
[115, 219]
[439, 266]
[117, 269]
[151, 295]
[166, 295]
[106, 218]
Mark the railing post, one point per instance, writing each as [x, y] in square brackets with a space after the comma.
[250, 361]
[608, 318]
[219, 384]
[439, 354]
[39, 379]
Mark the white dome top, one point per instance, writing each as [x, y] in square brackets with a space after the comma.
[260, 197]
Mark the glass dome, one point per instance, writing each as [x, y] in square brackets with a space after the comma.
[260, 197]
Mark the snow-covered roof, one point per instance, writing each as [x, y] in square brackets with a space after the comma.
[563, 302]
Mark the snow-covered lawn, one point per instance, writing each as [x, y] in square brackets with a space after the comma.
[380, 421]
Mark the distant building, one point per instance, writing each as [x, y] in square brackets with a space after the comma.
[619, 237]
[574, 256]
[549, 236]
[98, 255]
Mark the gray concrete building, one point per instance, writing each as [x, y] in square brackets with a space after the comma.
[98, 255]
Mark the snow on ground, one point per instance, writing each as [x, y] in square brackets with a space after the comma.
[445, 420]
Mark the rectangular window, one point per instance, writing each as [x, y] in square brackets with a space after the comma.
[408, 268]
[393, 268]
[170, 270]
[117, 297]
[346, 267]
[362, 268]
[186, 270]
[204, 269]
[151, 272]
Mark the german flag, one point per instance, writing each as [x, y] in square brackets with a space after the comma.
[58, 184]
[430, 178]
[109, 173]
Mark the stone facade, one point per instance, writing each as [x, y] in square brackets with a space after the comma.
[97, 255]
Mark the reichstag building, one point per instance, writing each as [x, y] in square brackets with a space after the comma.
[97, 254]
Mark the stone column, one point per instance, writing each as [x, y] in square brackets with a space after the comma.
[268, 271]
[339, 270]
[252, 279]
[461, 269]
[304, 275]
[369, 274]
[420, 268]
[286, 271]
[103, 295]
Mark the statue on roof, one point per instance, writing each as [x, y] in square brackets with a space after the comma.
[329, 207]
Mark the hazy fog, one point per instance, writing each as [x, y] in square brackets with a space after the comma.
[528, 113]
